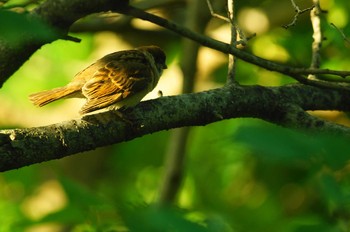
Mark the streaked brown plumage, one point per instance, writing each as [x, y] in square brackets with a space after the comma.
[119, 79]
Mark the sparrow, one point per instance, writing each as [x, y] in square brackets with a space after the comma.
[120, 79]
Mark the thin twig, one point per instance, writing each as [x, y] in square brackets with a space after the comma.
[317, 36]
[312, 71]
[346, 39]
[231, 58]
[296, 73]
[296, 16]
[212, 12]
[243, 39]
[72, 38]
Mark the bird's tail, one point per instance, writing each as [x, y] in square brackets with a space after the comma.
[45, 97]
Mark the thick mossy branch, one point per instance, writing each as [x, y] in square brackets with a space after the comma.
[281, 105]
[60, 15]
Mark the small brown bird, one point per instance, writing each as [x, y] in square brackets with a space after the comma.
[119, 79]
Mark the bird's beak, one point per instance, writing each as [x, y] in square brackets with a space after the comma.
[165, 66]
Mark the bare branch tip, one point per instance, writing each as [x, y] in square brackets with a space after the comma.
[296, 16]
[72, 38]
[212, 12]
[341, 32]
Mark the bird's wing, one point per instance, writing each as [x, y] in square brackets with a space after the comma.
[114, 82]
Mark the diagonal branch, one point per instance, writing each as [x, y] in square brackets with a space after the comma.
[298, 74]
[297, 118]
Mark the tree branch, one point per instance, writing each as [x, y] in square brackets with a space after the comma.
[21, 147]
[296, 117]
[59, 15]
[298, 74]
[232, 60]
[317, 36]
[298, 12]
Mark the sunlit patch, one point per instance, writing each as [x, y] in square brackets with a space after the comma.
[332, 115]
[266, 47]
[253, 20]
[338, 16]
[147, 183]
[221, 33]
[326, 4]
[268, 78]
[170, 83]
[186, 195]
[49, 198]
[208, 61]
[45, 227]
[145, 25]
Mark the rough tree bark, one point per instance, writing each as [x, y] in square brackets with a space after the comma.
[281, 105]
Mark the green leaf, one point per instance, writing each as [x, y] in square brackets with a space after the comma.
[279, 144]
[334, 193]
[69, 215]
[148, 218]
[275, 143]
[79, 195]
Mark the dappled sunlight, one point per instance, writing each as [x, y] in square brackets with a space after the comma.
[267, 78]
[339, 17]
[332, 115]
[48, 198]
[221, 33]
[45, 227]
[272, 49]
[253, 20]
[169, 84]
[147, 183]
[209, 60]
[187, 194]
[144, 25]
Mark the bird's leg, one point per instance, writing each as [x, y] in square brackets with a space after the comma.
[160, 93]
[121, 115]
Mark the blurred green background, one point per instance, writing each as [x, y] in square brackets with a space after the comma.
[239, 174]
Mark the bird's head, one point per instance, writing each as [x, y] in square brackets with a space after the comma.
[158, 56]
